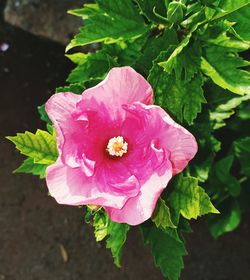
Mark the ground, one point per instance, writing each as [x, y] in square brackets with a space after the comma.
[33, 226]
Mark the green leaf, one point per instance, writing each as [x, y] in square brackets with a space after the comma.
[109, 22]
[228, 221]
[100, 223]
[225, 69]
[220, 113]
[168, 250]
[162, 216]
[86, 12]
[222, 178]
[242, 152]
[153, 47]
[75, 88]
[96, 66]
[41, 147]
[187, 63]
[29, 167]
[244, 111]
[208, 145]
[117, 237]
[228, 7]
[242, 23]
[223, 34]
[149, 9]
[181, 99]
[78, 58]
[127, 53]
[190, 200]
[43, 114]
[169, 63]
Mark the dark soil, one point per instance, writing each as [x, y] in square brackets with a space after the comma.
[33, 226]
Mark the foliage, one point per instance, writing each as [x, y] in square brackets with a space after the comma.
[195, 56]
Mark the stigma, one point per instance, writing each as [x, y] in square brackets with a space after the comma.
[117, 146]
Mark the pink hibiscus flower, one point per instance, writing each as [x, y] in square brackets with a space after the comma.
[116, 149]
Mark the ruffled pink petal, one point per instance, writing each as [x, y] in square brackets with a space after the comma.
[140, 208]
[180, 143]
[123, 85]
[70, 186]
[153, 123]
[60, 108]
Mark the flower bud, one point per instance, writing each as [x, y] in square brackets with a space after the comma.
[175, 11]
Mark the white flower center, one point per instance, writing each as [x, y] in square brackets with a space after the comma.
[117, 146]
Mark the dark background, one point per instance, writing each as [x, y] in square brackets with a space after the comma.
[33, 225]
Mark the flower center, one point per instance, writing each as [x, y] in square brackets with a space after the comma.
[117, 146]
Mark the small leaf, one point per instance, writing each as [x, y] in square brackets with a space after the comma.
[117, 237]
[100, 223]
[28, 166]
[167, 248]
[190, 200]
[162, 216]
[43, 115]
[41, 147]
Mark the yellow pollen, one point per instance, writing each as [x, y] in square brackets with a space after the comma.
[117, 146]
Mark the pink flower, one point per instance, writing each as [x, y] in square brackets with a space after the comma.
[116, 149]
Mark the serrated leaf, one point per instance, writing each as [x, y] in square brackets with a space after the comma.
[225, 69]
[181, 99]
[108, 22]
[153, 47]
[29, 167]
[187, 63]
[162, 216]
[167, 249]
[242, 152]
[95, 66]
[225, 110]
[41, 147]
[168, 64]
[100, 223]
[190, 200]
[228, 221]
[117, 237]
[127, 53]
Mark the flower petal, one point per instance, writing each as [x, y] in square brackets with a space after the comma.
[60, 108]
[123, 85]
[152, 123]
[70, 186]
[140, 208]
